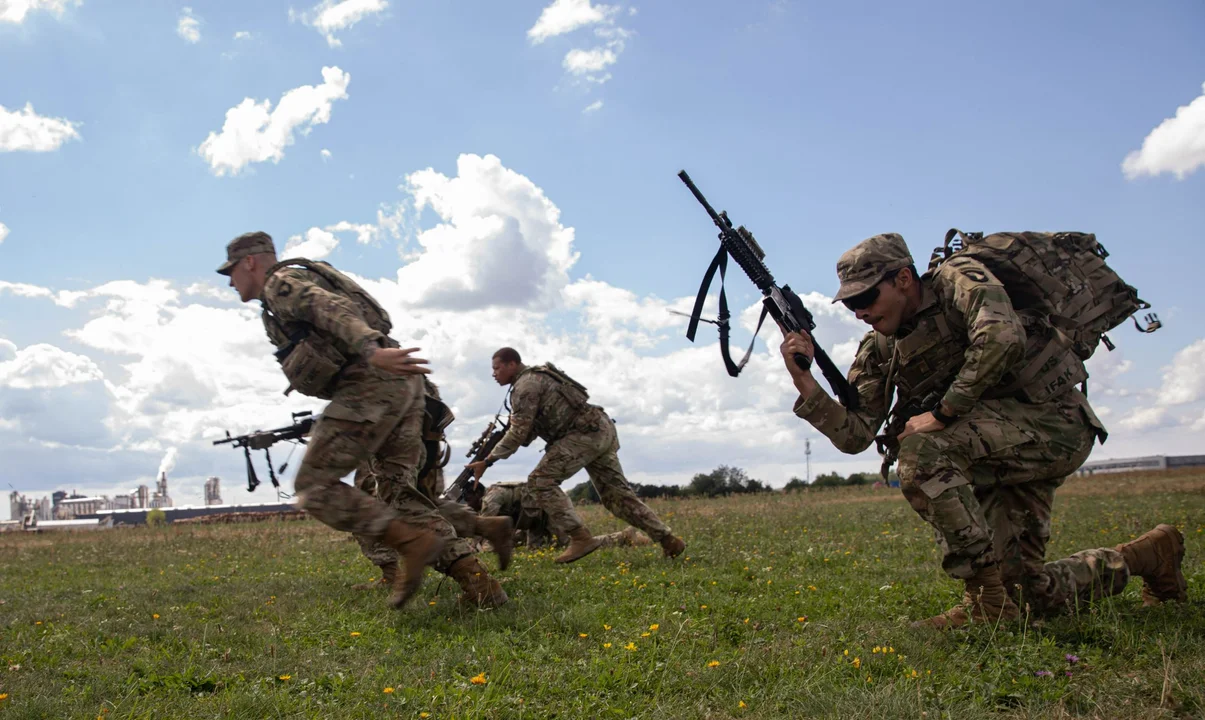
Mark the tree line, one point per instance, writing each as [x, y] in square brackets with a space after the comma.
[726, 480]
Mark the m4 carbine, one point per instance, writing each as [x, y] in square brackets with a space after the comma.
[780, 303]
[461, 490]
[303, 422]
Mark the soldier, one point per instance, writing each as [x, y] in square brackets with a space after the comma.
[983, 466]
[492, 526]
[516, 501]
[332, 343]
[547, 403]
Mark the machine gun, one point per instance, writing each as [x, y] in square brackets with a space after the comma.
[461, 490]
[780, 303]
[303, 422]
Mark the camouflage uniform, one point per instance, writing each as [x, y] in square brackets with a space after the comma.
[372, 415]
[515, 500]
[986, 482]
[579, 435]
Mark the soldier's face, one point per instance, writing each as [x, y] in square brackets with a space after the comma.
[504, 373]
[886, 313]
[242, 280]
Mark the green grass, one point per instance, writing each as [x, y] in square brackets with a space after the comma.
[791, 596]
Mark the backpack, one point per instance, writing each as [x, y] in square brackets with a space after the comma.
[1061, 276]
[375, 315]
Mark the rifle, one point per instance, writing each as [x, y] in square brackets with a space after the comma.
[481, 448]
[780, 303]
[303, 422]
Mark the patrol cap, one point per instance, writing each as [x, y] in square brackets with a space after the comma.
[252, 243]
[866, 264]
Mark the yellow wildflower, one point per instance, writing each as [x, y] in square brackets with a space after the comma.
[876, 650]
[3, 696]
[155, 616]
[644, 634]
[812, 588]
[38, 622]
[801, 619]
[702, 607]
[355, 634]
[713, 664]
[847, 653]
[286, 677]
[387, 691]
[424, 714]
[630, 646]
[606, 645]
[431, 603]
[654, 627]
[583, 635]
[742, 704]
[606, 626]
[478, 679]
[857, 662]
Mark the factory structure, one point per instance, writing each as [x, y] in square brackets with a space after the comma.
[70, 510]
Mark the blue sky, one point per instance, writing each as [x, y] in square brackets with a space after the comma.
[814, 124]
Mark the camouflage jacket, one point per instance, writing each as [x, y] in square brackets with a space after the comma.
[965, 337]
[294, 296]
[543, 407]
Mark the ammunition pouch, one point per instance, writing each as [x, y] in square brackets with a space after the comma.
[311, 364]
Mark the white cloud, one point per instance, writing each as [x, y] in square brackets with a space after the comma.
[243, 35]
[188, 26]
[365, 232]
[3, 232]
[326, 154]
[46, 366]
[254, 133]
[1176, 146]
[1184, 380]
[1143, 418]
[330, 16]
[593, 107]
[15, 11]
[315, 245]
[582, 62]
[565, 16]
[26, 130]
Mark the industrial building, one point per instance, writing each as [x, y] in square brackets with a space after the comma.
[1139, 464]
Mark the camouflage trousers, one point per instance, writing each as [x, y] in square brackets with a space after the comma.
[377, 417]
[374, 479]
[596, 451]
[517, 502]
[986, 484]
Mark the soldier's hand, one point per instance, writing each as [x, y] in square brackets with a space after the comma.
[478, 468]
[398, 361]
[801, 343]
[923, 423]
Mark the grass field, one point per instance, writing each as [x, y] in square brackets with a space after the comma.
[783, 606]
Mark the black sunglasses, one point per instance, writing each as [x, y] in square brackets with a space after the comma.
[863, 300]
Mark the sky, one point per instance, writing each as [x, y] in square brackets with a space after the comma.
[505, 174]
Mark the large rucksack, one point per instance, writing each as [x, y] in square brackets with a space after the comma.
[1061, 275]
[375, 315]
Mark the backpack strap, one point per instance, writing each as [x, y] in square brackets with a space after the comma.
[720, 263]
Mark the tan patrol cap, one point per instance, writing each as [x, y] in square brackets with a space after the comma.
[866, 264]
[252, 243]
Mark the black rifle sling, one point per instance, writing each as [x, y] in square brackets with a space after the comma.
[720, 263]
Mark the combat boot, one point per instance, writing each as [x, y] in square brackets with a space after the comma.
[633, 537]
[388, 578]
[500, 531]
[673, 546]
[417, 549]
[1156, 558]
[480, 590]
[985, 600]
[581, 544]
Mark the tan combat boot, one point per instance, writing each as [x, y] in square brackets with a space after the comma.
[581, 544]
[1156, 558]
[985, 600]
[500, 531]
[479, 588]
[631, 536]
[388, 578]
[672, 545]
[417, 549]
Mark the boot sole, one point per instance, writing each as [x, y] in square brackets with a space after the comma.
[594, 545]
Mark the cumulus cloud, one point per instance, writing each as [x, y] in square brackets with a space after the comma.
[326, 154]
[1176, 145]
[331, 16]
[565, 16]
[315, 244]
[1184, 380]
[188, 26]
[3, 232]
[243, 35]
[45, 366]
[15, 11]
[253, 132]
[593, 107]
[582, 62]
[26, 130]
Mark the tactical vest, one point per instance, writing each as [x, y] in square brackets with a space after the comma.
[310, 360]
[574, 392]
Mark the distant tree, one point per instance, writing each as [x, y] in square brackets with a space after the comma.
[724, 480]
[584, 493]
[830, 479]
[863, 479]
[156, 518]
[795, 485]
[656, 491]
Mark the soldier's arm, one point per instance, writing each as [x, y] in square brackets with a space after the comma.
[995, 333]
[295, 297]
[851, 432]
[524, 401]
